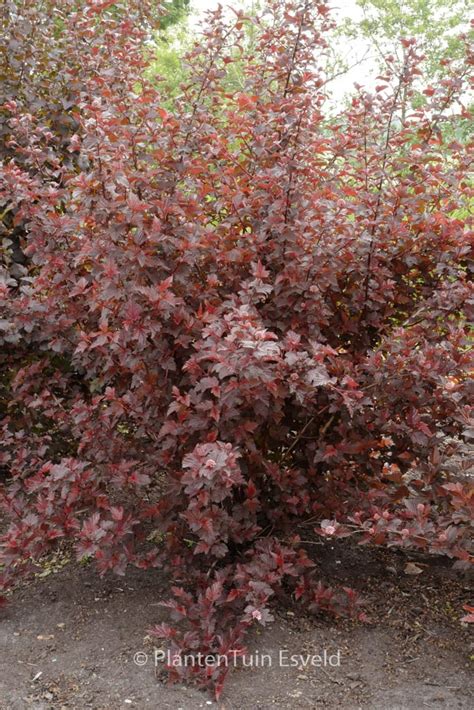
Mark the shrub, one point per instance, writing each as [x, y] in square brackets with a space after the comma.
[239, 320]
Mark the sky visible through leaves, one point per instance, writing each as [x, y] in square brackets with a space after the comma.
[357, 52]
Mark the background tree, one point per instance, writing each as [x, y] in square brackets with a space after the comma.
[173, 12]
[436, 24]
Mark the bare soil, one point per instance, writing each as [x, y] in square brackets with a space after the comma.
[68, 641]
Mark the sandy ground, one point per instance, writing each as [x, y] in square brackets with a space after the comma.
[68, 640]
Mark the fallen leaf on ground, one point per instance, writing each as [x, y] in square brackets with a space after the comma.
[412, 568]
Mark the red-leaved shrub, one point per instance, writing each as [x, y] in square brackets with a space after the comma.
[235, 321]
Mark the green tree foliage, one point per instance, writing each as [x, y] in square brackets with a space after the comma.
[174, 11]
[174, 40]
[436, 25]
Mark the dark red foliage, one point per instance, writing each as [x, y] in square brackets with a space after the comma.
[235, 322]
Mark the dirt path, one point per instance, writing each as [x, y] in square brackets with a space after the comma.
[68, 640]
